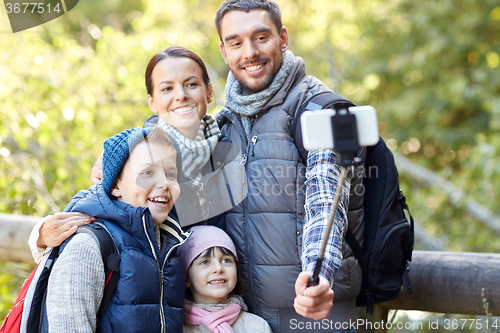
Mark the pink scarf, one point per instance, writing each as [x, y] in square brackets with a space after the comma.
[217, 322]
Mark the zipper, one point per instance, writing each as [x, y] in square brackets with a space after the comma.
[280, 136]
[174, 246]
[245, 210]
[255, 138]
[163, 266]
[254, 141]
[397, 227]
[250, 279]
[15, 305]
[171, 249]
[160, 271]
[168, 255]
[244, 159]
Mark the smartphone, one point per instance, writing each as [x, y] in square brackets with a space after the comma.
[317, 129]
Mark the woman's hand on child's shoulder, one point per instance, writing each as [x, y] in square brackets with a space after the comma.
[60, 226]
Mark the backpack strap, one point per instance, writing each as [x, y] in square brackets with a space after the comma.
[406, 274]
[37, 321]
[110, 258]
[355, 247]
[363, 261]
[316, 102]
[36, 311]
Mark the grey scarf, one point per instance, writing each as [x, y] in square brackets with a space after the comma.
[195, 153]
[250, 105]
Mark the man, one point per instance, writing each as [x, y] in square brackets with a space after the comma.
[275, 236]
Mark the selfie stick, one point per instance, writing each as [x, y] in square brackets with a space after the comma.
[346, 144]
[314, 279]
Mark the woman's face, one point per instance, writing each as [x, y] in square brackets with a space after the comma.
[180, 97]
[149, 179]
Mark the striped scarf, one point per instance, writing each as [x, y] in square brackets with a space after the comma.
[195, 153]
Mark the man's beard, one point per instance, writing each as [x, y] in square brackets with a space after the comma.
[264, 85]
[268, 79]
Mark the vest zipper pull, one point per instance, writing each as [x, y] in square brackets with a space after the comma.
[244, 160]
[254, 141]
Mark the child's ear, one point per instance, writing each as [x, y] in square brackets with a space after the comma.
[151, 104]
[188, 284]
[116, 191]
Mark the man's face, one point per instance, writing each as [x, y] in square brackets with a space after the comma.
[252, 47]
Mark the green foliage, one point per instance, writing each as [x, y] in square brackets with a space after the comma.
[12, 277]
[430, 69]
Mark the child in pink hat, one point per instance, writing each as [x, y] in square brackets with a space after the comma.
[210, 265]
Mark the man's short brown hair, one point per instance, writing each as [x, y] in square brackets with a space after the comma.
[270, 6]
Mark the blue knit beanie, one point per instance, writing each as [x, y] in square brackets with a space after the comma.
[116, 152]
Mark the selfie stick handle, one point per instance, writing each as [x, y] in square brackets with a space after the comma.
[314, 279]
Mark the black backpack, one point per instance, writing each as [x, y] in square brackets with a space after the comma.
[389, 235]
[111, 259]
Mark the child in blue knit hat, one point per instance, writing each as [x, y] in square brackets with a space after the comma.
[133, 203]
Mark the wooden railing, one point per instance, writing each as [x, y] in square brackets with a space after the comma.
[446, 282]
[14, 233]
[443, 282]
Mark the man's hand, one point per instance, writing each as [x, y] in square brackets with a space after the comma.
[313, 302]
[60, 226]
[96, 174]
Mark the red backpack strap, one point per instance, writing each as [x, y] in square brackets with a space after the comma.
[12, 322]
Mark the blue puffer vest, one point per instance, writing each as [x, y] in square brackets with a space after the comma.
[267, 227]
[150, 292]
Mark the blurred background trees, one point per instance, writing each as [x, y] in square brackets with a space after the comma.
[431, 69]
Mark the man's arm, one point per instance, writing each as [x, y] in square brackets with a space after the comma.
[322, 177]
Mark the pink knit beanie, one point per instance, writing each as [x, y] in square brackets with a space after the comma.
[201, 239]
